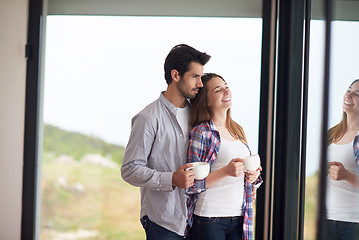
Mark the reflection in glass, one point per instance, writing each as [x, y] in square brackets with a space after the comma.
[343, 71]
[343, 175]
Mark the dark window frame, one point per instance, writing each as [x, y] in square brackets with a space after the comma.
[31, 128]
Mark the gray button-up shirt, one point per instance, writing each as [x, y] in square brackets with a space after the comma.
[156, 149]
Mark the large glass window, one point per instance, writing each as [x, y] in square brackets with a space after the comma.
[99, 72]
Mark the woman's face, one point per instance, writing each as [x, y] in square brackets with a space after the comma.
[351, 99]
[218, 94]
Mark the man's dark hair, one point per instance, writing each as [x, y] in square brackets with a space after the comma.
[180, 57]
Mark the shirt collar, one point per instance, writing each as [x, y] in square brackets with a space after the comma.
[212, 126]
[172, 108]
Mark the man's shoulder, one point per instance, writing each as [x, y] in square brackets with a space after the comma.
[151, 109]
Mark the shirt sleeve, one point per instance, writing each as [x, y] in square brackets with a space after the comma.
[356, 148]
[196, 153]
[258, 182]
[134, 169]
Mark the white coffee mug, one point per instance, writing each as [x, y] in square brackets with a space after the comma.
[200, 169]
[252, 162]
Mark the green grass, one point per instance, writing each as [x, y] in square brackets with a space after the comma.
[59, 141]
[311, 199]
[108, 206]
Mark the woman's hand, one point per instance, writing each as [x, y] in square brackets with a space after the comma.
[235, 167]
[337, 171]
[252, 176]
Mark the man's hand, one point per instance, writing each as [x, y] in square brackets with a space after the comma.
[182, 178]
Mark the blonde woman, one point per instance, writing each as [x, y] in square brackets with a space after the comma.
[220, 206]
[343, 176]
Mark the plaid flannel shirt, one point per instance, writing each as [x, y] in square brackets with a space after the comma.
[204, 146]
[356, 148]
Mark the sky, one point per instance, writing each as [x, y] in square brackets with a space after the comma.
[100, 71]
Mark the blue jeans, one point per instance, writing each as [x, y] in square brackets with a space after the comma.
[156, 232]
[338, 230]
[216, 228]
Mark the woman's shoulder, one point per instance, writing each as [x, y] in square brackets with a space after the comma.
[204, 126]
[203, 131]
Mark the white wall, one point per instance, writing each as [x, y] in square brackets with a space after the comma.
[13, 31]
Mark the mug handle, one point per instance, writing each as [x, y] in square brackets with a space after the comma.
[190, 168]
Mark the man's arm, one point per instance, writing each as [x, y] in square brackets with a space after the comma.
[134, 169]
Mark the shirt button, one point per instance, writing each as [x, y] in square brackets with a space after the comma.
[180, 135]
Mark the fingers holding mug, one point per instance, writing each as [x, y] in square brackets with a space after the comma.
[200, 169]
[252, 167]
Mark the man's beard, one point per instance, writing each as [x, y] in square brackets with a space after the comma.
[184, 91]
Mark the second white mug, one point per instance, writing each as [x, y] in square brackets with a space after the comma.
[252, 162]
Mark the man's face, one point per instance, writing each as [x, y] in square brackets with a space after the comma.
[191, 81]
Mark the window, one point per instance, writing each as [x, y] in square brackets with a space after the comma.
[283, 73]
[99, 72]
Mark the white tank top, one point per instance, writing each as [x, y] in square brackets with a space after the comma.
[342, 199]
[224, 198]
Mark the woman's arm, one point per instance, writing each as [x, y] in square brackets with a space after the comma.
[234, 168]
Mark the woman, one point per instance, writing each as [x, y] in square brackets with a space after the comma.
[343, 182]
[221, 204]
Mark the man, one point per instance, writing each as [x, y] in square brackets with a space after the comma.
[156, 153]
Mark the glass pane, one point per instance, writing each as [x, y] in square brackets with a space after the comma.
[315, 97]
[343, 176]
[314, 118]
[99, 72]
[342, 182]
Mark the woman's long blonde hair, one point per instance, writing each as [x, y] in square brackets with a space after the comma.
[201, 112]
[337, 132]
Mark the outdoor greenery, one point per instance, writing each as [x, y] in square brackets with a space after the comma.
[82, 200]
[105, 206]
[310, 203]
[92, 202]
[76, 145]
